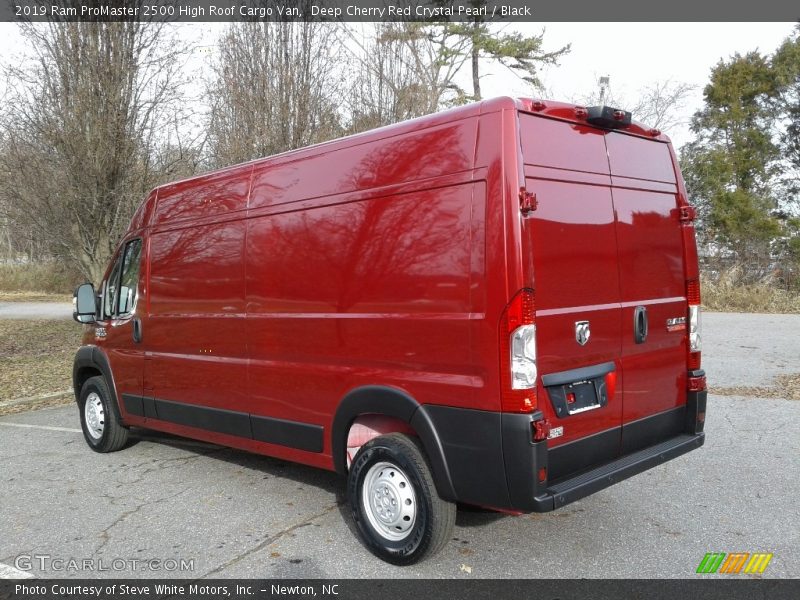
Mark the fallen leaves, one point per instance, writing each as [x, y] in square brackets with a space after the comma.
[786, 386]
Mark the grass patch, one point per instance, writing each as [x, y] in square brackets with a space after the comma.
[39, 278]
[36, 356]
[786, 386]
[728, 295]
[62, 400]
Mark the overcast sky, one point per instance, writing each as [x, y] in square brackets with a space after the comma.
[637, 54]
[632, 54]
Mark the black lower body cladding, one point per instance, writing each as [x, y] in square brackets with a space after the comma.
[291, 434]
[494, 462]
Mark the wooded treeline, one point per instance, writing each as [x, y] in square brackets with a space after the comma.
[96, 114]
[743, 168]
[99, 113]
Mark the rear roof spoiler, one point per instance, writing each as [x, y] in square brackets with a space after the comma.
[604, 117]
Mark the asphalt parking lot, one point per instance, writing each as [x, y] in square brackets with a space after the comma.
[167, 507]
[35, 310]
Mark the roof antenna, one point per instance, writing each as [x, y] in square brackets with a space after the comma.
[604, 82]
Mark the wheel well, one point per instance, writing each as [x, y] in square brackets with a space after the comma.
[82, 375]
[369, 426]
[382, 409]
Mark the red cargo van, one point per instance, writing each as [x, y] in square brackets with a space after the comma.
[496, 305]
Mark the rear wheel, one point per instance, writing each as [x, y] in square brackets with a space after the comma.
[399, 515]
[100, 417]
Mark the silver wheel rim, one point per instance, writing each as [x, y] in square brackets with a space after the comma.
[95, 416]
[389, 501]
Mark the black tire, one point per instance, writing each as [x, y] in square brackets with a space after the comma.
[113, 436]
[433, 518]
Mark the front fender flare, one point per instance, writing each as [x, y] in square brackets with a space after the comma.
[94, 358]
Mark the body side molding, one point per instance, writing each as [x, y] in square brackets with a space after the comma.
[292, 434]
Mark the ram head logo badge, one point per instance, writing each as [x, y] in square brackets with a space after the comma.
[582, 332]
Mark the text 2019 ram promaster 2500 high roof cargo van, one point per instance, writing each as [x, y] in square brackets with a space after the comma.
[496, 305]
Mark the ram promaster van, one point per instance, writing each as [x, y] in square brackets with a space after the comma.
[496, 305]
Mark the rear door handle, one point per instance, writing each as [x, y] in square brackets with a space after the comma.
[137, 330]
[640, 326]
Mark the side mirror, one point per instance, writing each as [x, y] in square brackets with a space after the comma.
[84, 304]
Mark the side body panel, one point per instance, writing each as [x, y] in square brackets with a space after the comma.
[353, 258]
[195, 332]
[277, 288]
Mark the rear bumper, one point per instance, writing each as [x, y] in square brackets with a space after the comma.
[493, 462]
[574, 488]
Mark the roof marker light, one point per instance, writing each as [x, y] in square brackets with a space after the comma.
[608, 118]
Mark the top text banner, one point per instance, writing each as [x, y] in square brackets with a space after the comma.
[188, 11]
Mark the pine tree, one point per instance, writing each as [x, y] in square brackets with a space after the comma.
[731, 167]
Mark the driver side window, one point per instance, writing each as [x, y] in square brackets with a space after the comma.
[120, 291]
[129, 278]
[110, 288]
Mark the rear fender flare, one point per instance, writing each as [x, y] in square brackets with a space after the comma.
[391, 402]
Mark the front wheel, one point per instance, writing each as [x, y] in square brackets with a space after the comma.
[399, 515]
[100, 418]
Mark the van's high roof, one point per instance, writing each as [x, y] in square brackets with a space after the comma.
[564, 111]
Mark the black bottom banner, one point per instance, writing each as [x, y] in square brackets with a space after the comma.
[399, 589]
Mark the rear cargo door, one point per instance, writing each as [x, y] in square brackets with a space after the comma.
[571, 239]
[652, 289]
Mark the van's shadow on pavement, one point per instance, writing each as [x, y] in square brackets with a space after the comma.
[325, 480]
[328, 481]
[298, 566]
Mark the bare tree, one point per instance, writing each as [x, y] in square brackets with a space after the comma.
[390, 81]
[274, 87]
[434, 53]
[660, 104]
[83, 124]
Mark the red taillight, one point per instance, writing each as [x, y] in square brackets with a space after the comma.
[542, 474]
[693, 358]
[541, 429]
[696, 384]
[693, 291]
[518, 313]
[611, 385]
